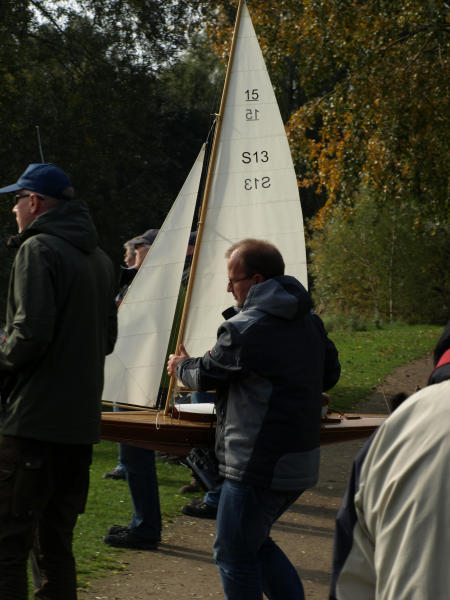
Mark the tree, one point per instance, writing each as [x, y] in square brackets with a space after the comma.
[379, 263]
[383, 124]
[123, 132]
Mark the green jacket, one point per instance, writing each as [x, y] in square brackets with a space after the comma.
[61, 321]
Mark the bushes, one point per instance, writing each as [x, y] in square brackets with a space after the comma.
[381, 263]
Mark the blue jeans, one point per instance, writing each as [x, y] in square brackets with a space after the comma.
[249, 561]
[199, 397]
[142, 481]
[119, 466]
[212, 497]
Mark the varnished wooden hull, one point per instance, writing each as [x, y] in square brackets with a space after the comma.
[338, 427]
[176, 436]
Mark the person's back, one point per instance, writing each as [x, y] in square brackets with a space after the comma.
[402, 535]
[273, 408]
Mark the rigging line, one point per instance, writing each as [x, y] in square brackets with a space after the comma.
[39, 143]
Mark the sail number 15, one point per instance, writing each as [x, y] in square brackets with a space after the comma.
[251, 95]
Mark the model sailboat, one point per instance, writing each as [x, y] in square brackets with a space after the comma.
[251, 191]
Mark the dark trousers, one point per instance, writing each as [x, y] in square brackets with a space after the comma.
[43, 488]
[140, 469]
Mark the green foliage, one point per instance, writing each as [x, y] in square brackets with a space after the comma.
[379, 263]
[149, 32]
[382, 121]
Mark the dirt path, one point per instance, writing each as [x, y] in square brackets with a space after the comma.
[183, 567]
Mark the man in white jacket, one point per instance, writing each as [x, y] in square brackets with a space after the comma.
[393, 531]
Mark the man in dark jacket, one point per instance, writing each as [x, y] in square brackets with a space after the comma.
[271, 362]
[61, 321]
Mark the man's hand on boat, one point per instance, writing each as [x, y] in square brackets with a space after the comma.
[175, 359]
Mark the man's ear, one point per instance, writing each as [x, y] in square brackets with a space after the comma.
[36, 204]
[259, 278]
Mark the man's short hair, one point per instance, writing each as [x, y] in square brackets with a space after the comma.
[258, 256]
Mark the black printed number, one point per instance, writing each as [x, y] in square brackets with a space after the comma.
[255, 157]
[251, 95]
[252, 114]
[256, 183]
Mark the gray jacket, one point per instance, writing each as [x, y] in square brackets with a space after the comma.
[271, 362]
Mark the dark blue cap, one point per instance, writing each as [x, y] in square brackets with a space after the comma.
[43, 178]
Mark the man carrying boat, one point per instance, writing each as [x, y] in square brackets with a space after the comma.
[61, 321]
[270, 364]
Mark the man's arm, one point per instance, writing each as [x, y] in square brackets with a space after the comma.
[332, 366]
[215, 368]
[33, 299]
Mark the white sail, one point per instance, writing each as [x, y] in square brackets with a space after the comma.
[133, 371]
[254, 190]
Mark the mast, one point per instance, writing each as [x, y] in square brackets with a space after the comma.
[204, 208]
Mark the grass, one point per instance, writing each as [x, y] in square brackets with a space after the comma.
[367, 357]
[109, 503]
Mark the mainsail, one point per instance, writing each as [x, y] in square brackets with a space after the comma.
[253, 191]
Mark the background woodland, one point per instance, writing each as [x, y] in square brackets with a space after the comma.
[123, 92]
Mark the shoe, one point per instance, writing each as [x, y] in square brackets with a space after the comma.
[196, 501]
[191, 488]
[127, 539]
[199, 509]
[114, 529]
[115, 473]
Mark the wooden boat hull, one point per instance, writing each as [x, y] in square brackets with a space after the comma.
[337, 427]
[177, 436]
[152, 429]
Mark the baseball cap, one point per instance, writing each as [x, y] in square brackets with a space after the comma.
[43, 178]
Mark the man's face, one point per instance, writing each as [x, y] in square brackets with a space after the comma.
[24, 209]
[141, 253]
[130, 256]
[239, 282]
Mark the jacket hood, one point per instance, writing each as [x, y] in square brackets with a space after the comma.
[70, 221]
[283, 297]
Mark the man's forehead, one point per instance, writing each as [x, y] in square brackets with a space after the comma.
[234, 261]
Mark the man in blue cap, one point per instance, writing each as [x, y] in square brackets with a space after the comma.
[60, 311]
